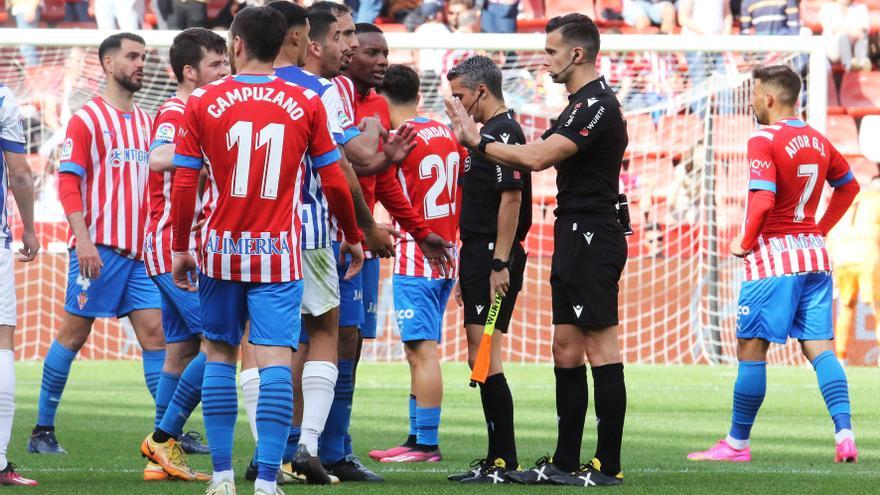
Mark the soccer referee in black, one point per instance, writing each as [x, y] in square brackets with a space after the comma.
[496, 214]
[586, 145]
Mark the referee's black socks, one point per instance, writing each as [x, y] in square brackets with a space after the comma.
[498, 409]
[571, 409]
[609, 394]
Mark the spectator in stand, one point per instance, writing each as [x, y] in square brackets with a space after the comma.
[775, 17]
[366, 10]
[127, 15]
[76, 11]
[27, 16]
[455, 9]
[467, 21]
[427, 19]
[162, 9]
[189, 13]
[845, 29]
[645, 13]
[499, 16]
[699, 18]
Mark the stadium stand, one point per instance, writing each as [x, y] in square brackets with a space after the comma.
[843, 132]
[860, 93]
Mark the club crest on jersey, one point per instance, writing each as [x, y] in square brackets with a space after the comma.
[344, 121]
[118, 156]
[148, 243]
[165, 132]
[252, 246]
[67, 149]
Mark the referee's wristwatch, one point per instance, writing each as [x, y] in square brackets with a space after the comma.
[485, 139]
[498, 265]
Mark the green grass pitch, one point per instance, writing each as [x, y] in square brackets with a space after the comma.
[106, 411]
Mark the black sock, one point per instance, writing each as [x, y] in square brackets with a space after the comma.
[424, 448]
[572, 396]
[489, 414]
[502, 410]
[161, 435]
[609, 391]
[410, 441]
[41, 428]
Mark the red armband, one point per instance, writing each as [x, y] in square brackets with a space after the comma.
[183, 206]
[338, 195]
[69, 192]
[760, 204]
[841, 199]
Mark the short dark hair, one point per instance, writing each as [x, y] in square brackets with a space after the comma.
[319, 25]
[577, 30]
[476, 70]
[366, 27]
[190, 46]
[262, 29]
[294, 14]
[783, 79]
[114, 42]
[333, 8]
[401, 84]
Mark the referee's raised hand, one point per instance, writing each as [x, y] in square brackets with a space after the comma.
[463, 125]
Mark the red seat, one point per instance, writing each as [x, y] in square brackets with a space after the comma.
[730, 133]
[561, 7]
[677, 133]
[860, 93]
[843, 134]
[863, 169]
[834, 106]
[642, 136]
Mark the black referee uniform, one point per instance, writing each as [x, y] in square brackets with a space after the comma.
[483, 183]
[590, 247]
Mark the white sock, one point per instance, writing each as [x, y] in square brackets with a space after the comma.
[318, 382]
[844, 434]
[737, 444]
[266, 486]
[221, 476]
[249, 381]
[7, 401]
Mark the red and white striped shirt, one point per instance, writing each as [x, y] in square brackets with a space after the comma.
[253, 132]
[346, 91]
[793, 161]
[429, 177]
[157, 239]
[109, 149]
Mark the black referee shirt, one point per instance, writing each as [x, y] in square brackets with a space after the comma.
[588, 181]
[483, 183]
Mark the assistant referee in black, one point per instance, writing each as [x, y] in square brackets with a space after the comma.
[586, 145]
[496, 214]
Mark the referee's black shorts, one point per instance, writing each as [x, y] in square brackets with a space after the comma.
[476, 266]
[588, 259]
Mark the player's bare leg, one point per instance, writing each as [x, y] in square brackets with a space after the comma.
[423, 357]
[72, 336]
[8, 475]
[748, 395]
[835, 390]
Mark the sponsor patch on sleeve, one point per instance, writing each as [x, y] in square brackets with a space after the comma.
[166, 132]
[67, 149]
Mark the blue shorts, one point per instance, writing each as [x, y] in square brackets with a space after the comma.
[351, 309]
[370, 272]
[272, 308]
[123, 287]
[181, 316]
[419, 304]
[796, 306]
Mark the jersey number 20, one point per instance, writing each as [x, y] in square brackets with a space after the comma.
[447, 178]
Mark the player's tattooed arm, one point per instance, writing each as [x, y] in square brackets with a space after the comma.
[379, 238]
[362, 149]
[395, 150]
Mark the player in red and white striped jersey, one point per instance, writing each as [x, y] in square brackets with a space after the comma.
[102, 187]
[197, 57]
[429, 177]
[788, 288]
[254, 130]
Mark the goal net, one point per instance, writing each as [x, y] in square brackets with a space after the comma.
[685, 173]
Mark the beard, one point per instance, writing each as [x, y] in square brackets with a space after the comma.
[129, 84]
